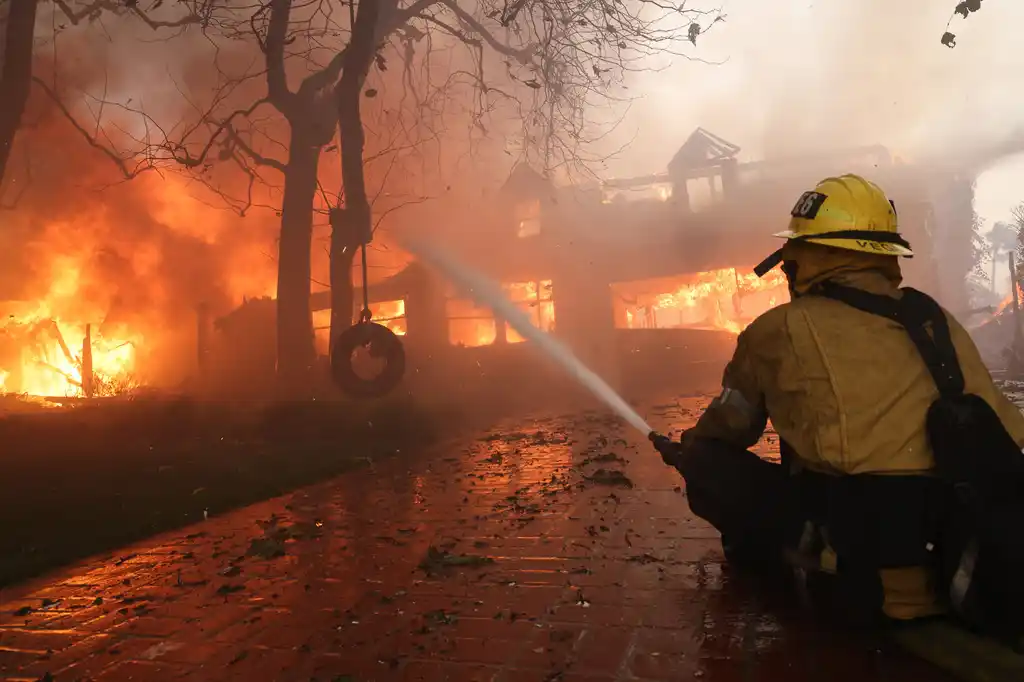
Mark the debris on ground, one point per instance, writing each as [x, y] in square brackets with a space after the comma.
[603, 459]
[226, 589]
[439, 559]
[611, 477]
[267, 547]
[388, 540]
[441, 617]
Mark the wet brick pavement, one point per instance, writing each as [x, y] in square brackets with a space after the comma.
[550, 550]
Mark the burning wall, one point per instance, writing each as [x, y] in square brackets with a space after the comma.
[468, 325]
[727, 300]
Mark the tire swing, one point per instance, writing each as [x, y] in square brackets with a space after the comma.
[378, 343]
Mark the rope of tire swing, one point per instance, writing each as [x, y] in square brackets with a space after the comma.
[365, 315]
[381, 342]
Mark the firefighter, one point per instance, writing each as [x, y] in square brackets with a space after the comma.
[847, 393]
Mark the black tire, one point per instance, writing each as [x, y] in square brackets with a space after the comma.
[384, 344]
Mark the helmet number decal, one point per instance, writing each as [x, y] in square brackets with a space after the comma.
[808, 205]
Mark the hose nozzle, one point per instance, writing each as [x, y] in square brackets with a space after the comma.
[663, 444]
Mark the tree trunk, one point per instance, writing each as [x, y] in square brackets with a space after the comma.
[296, 353]
[17, 23]
[356, 226]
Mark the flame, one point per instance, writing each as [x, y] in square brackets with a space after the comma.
[1006, 302]
[390, 314]
[131, 268]
[723, 299]
[43, 350]
[471, 326]
[47, 365]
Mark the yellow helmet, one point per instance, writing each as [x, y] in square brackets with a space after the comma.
[847, 212]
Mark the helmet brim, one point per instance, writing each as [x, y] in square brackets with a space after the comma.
[862, 246]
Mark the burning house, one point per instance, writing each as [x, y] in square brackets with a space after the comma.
[648, 279]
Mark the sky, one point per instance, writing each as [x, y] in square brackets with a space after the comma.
[797, 76]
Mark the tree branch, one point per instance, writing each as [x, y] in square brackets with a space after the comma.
[387, 25]
[329, 75]
[522, 55]
[279, 95]
[252, 154]
[326, 76]
[87, 11]
[94, 8]
[121, 163]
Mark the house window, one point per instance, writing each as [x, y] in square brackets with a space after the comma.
[471, 325]
[535, 299]
[390, 314]
[527, 215]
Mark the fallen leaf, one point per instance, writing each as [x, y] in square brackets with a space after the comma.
[229, 589]
[438, 559]
[266, 548]
[612, 477]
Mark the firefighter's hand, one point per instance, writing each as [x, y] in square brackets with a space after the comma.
[671, 451]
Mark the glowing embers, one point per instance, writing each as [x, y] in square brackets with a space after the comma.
[471, 326]
[726, 300]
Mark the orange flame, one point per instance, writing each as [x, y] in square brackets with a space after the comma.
[390, 314]
[723, 299]
[43, 350]
[1005, 303]
[472, 326]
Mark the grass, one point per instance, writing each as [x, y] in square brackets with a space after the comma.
[81, 481]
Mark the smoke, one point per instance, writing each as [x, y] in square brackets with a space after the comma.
[798, 77]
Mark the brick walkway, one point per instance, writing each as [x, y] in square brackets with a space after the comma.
[558, 550]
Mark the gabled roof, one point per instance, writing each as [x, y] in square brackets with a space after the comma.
[703, 148]
[525, 182]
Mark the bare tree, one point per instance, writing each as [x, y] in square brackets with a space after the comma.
[17, 29]
[548, 64]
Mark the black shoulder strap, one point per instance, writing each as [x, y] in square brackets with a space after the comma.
[915, 312]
